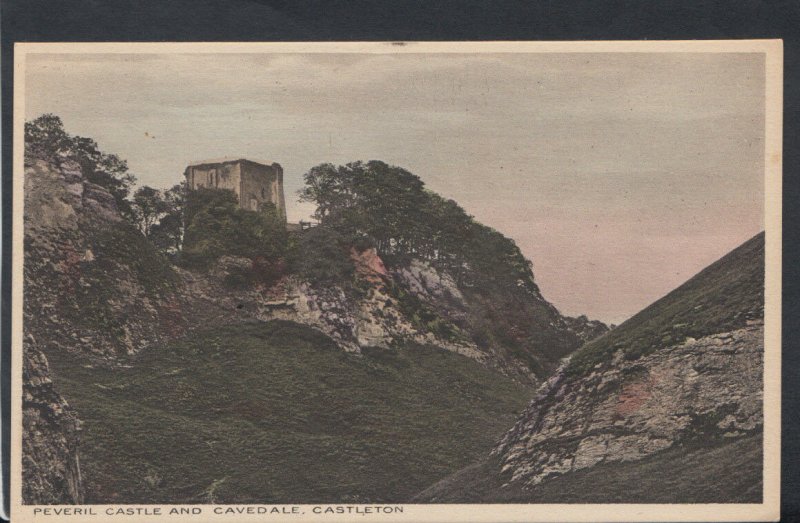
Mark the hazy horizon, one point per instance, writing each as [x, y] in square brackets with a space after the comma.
[620, 175]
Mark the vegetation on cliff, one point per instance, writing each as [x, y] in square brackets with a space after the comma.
[216, 226]
[679, 475]
[159, 216]
[675, 394]
[222, 414]
[359, 205]
[321, 256]
[275, 412]
[390, 208]
[722, 297]
[46, 138]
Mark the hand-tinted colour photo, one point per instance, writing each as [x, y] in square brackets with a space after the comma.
[393, 278]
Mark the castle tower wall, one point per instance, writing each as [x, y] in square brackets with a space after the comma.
[253, 183]
[214, 176]
[262, 184]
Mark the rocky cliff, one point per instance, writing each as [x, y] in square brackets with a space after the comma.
[50, 465]
[93, 286]
[684, 376]
[693, 393]
[412, 303]
[96, 288]
[369, 317]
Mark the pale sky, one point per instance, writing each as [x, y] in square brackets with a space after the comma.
[619, 174]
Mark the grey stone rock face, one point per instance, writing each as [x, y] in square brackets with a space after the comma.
[51, 471]
[428, 283]
[82, 296]
[372, 317]
[84, 289]
[694, 393]
[227, 266]
[369, 319]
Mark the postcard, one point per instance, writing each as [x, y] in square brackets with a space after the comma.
[397, 281]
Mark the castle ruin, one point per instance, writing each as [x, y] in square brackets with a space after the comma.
[254, 183]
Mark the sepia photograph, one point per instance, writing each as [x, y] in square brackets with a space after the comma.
[397, 281]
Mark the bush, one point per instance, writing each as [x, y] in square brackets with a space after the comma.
[215, 226]
[322, 256]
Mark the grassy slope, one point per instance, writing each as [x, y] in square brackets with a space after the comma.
[274, 412]
[679, 475]
[720, 298]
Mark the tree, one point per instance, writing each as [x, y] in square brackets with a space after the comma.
[167, 234]
[390, 207]
[46, 138]
[215, 225]
[370, 199]
[322, 256]
[149, 206]
[159, 216]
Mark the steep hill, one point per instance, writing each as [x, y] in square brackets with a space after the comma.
[92, 281]
[93, 286]
[449, 274]
[678, 384]
[519, 335]
[275, 412]
[105, 314]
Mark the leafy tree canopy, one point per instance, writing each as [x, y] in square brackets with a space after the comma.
[159, 216]
[215, 225]
[321, 255]
[391, 207]
[46, 138]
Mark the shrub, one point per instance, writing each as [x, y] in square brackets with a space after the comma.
[322, 256]
[215, 225]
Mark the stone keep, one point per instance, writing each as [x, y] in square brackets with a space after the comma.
[254, 183]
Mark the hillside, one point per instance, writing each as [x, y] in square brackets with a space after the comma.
[275, 412]
[106, 313]
[677, 387]
[93, 287]
[680, 475]
[449, 274]
[93, 284]
[723, 297]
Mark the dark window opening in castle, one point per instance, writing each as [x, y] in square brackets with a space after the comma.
[254, 183]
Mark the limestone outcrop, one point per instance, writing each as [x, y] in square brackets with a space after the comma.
[50, 464]
[680, 382]
[96, 288]
[413, 303]
[368, 318]
[696, 392]
[93, 284]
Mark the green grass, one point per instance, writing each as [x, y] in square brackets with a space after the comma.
[720, 298]
[723, 472]
[276, 413]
